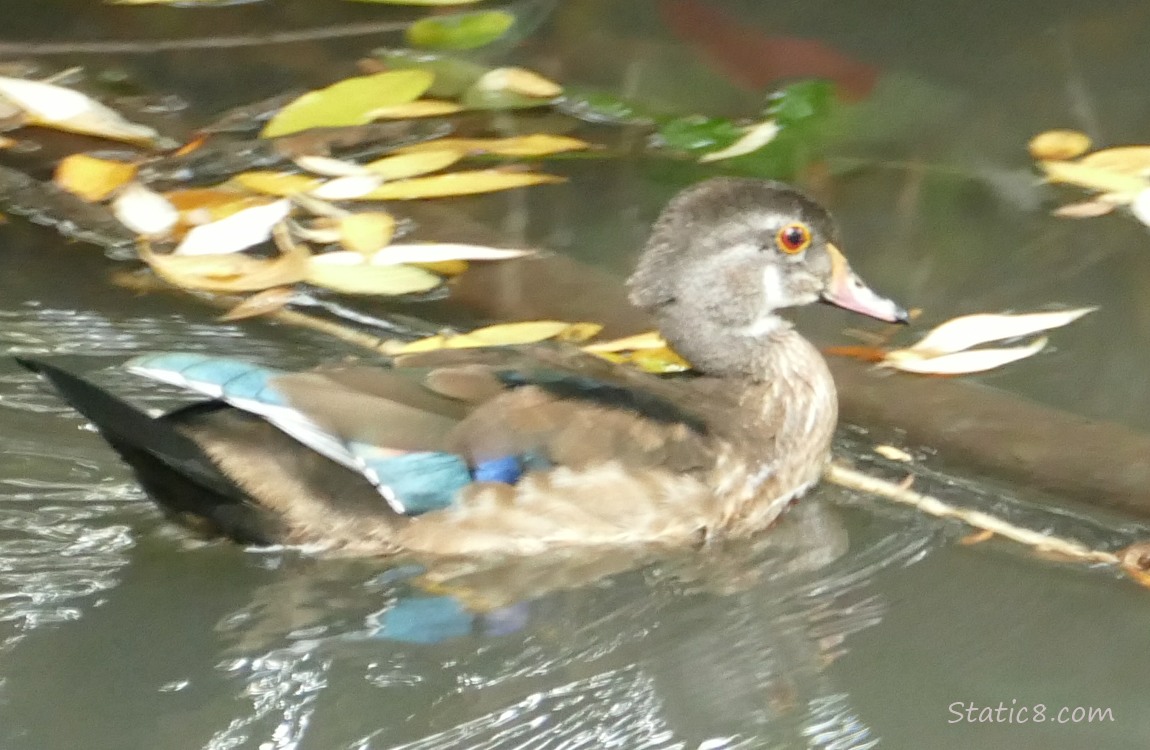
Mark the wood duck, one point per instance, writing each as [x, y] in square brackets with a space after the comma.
[514, 451]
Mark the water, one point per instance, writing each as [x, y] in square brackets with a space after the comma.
[855, 624]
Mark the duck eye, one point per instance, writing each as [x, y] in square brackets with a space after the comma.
[793, 238]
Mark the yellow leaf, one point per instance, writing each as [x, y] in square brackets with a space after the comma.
[366, 233]
[402, 166]
[417, 108]
[579, 332]
[204, 205]
[231, 272]
[512, 334]
[64, 109]
[519, 81]
[280, 184]
[459, 183]
[93, 179]
[365, 279]
[261, 303]
[445, 267]
[536, 144]
[1093, 178]
[658, 361]
[349, 102]
[429, 344]
[648, 340]
[1058, 145]
[1133, 160]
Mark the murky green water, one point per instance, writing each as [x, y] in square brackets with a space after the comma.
[855, 624]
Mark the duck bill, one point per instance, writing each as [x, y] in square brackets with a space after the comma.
[848, 291]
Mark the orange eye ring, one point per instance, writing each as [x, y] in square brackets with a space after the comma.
[793, 238]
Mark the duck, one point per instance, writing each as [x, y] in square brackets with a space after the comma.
[514, 451]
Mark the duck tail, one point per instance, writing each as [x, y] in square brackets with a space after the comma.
[170, 466]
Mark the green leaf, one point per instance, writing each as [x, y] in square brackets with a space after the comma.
[453, 76]
[349, 102]
[599, 107]
[801, 102]
[698, 133]
[462, 31]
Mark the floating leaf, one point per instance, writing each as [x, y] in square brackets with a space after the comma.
[365, 233]
[349, 102]
[460, 31]
[327, 166]
[64, 109]
[971, 330]
[280, 184]
[518, 81]
[144, 211]
[577, 333]
[439, 252]
[402, 166]
[648, 340]
[864, 353]
[234, 233]
[1134, 160]
[1058, 145]
[260, 303]
[537, 144]
[503, 334]
[453, 75]
[93, 179]
[1141, 207]
[754, 138]
[1085, 209]
[1093, 178]
[459, 183]
[978, 537]
[232, 272]
[352, 187]
[205, 205]
[364, 279]
[660, 361]
[445, 267]
[961, 363]
[417, 108]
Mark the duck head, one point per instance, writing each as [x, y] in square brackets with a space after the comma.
[727, 253]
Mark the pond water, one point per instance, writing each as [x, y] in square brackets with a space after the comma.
[854, 624]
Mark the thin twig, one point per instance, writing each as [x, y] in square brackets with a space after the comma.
[149, 46]
[1069, 548]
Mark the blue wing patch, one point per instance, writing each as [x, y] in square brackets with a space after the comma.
[218, 377]
[414, 483]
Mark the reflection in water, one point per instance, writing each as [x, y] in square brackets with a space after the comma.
[722, 651]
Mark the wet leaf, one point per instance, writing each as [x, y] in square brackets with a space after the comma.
[971, 330]
[233, 272]
[754, 138]
[657, 361]
[537, 144]
[205, 205]
[503, 334]
[366, 233]
[1136, 556]
[577, 333]
[453, 75]
[518, 81]
[349, 102]
[648, 340]
[801, 102]
[1085, 209]
[234, 233]
[64, 109]
[417, 108]
[280, 184]
[403, 166]
[352, 187]
[440, 252]
[961, 363]
[445, 267]
[1093, 178]
[91, 178]
[261, 303]
[459, 183]
[1132, 160]
[460, 31]
[327, 166]
[144, 211]
[1141, 207]
[1058, 145]
[365, 279]
[698, 133]
[601, 108]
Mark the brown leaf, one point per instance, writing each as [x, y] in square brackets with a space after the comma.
[230, 272]
[260, 303]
